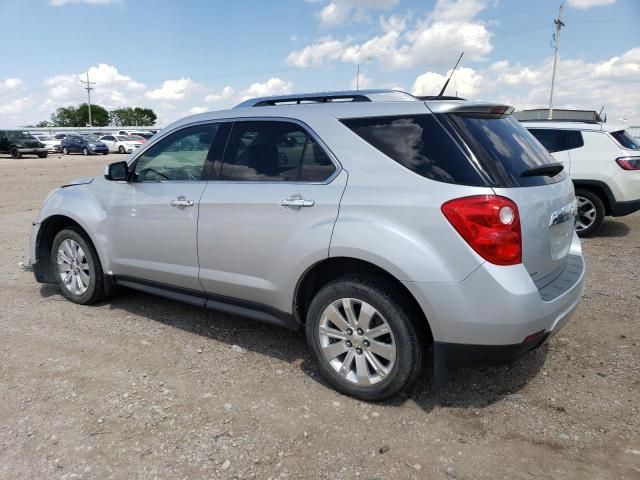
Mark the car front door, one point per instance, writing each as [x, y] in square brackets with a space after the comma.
[268, 214]
[152, 219]
[110, 142]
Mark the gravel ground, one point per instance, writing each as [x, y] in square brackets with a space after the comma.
[142, 387]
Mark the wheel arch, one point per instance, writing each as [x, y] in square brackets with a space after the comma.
[599, 188]
[329, 269]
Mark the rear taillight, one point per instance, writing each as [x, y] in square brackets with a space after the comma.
[629, 163]
[490, 224]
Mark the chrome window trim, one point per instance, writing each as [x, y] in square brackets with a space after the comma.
[338, 166]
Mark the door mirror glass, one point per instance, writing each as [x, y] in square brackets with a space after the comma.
[118, 171]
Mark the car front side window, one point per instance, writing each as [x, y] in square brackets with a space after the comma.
[180, 156]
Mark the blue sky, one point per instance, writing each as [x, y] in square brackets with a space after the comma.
[191, 56]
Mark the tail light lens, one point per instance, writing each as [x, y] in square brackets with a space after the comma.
[629, 163]
[490, 224]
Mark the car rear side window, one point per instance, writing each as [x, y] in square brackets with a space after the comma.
[555, 140]
[505, 149]
[419, 143]
[626, 140]
[274, 151]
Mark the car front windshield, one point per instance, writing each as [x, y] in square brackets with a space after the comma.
[90, 138]
[45, 138]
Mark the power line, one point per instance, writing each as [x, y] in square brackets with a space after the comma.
[88, 88]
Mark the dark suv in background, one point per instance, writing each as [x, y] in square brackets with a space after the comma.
[85, 144]
[18, 143]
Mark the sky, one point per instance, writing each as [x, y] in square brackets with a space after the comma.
[187, 57]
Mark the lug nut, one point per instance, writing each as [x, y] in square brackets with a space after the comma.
[359, 351]
[349, 331]
[365, 343]
[349, 344]
[360, 331]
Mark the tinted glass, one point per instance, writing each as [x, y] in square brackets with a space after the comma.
[553, 140]
[273, 151]
[180, 156]
[626, 140]
[574, 139]
[505, 149]
[419, 143]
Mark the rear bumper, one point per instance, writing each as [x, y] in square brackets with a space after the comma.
[620, 209]
[495, 309]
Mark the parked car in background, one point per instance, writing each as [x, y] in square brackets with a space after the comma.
[121, 143]
[85, 144]
[18, 143]
[49, 141]
[603, 161]
[453, 235]
[144, 134]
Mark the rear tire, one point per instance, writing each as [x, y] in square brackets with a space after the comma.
[591, 212]
[76, 267]
[354, 355]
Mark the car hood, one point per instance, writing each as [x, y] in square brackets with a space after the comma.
[79, 181]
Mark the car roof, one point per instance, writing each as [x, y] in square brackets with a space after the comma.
[377, 104]
[565, 125]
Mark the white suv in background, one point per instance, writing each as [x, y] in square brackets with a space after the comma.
[604, 163]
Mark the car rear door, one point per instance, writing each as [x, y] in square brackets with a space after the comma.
[269, 212]
[546, 204]
[153, 217]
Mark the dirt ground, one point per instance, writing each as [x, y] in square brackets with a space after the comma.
[142, 387]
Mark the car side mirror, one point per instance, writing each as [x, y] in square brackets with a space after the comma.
[118, 171]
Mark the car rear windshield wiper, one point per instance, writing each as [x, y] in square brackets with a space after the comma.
[548, 170]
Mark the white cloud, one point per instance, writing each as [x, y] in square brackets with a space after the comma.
[341, 11]
[432, 42]
[585, 4]
[226, 93]
[61, 3]
[15, 106]
[196, 110]
[173, 89]
[10, 84]
[273, 86]
[466, 82]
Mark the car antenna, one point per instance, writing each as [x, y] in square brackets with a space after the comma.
[600, 113]
[450, 75]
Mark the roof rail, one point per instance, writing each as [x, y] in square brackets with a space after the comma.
[329, 97]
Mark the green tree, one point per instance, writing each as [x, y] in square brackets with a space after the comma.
[137, 116]
[79, 116]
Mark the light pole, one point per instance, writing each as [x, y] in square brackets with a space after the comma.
[556, 37]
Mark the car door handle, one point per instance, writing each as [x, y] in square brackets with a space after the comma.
[296, 201]
[181, 202]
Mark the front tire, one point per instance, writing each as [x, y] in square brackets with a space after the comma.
[42, 155]
[65, 151]
[121, 149]
[15, 153]
[76, 267]
[85, 152]
[362, 338]
[591, 212]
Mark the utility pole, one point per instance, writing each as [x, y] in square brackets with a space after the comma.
[358, 78]
[88, 88]
[556, 44]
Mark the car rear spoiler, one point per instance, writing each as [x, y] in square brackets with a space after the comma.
[483, 110]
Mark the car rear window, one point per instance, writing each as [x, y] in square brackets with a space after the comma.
[504, 148]
[555, 140]
[419, 143]
[626, 140]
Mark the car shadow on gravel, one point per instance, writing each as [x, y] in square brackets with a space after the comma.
[466, 387]
[612, 228]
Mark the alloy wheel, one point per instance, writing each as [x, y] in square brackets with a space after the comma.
[587, 214]
[73, 267]
[357, 341]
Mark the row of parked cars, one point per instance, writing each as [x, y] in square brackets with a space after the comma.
[18, 143]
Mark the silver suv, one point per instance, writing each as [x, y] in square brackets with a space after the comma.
[386, 226]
